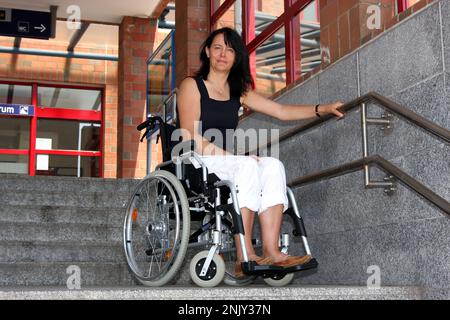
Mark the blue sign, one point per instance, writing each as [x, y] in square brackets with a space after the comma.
[25, 23]
[23, 110]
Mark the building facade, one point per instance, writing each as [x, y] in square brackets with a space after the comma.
[69, 106]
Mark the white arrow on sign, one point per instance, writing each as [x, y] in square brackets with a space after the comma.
[42, 28]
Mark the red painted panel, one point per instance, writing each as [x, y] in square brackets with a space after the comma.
[70, 153]
[402, 5]
[14, 151]
[68, 114]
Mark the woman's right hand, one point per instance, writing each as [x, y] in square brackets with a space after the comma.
[332, 108]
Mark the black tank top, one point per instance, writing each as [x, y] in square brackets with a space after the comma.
[217, 114]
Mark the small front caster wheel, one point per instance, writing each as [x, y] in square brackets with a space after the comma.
[213, 276]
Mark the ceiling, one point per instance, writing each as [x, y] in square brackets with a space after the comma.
[106, 11]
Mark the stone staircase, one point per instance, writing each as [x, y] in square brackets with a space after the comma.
[48, 224]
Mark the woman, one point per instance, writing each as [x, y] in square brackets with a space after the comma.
[211, 100]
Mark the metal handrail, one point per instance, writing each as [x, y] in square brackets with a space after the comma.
[384, 164]
[393, 106]
[377, 160]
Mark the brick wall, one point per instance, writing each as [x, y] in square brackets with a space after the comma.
[344, 24]
[192, 21]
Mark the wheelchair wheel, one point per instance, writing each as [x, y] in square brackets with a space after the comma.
[156, 228]
[279, 281]
[215, 273]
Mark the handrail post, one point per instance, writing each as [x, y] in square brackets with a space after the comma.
[388, 183]
[365, 143]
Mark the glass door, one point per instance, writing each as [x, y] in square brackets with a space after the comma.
[68, 135]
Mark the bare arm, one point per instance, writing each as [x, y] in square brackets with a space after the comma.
[286, 112]
[188, 100]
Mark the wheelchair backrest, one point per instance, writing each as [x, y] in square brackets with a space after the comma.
[167, 144]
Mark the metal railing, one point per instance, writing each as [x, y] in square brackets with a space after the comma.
[382, 163]
[394, 172]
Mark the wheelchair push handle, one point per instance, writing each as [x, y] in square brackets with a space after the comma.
[149, 124]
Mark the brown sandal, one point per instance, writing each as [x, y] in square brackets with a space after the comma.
[292, 261]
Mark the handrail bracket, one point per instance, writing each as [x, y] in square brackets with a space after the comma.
[389, 184]
[386, 121]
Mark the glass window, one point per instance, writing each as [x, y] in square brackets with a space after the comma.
[271, 65]
[268, 8]
[412, 2]
[67, 98]
[216, 5]
[14, 133]
[160, 76]
[310, 39]
[71, 166]
[309, 14]
[11, 163]
[67, 135]
[15, 94]
[231, 18]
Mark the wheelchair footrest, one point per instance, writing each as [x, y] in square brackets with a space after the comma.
[252, 268]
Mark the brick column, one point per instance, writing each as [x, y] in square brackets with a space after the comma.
[192, 23]
[344, 26]
[136, 39]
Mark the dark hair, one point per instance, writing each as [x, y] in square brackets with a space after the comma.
[240, 79]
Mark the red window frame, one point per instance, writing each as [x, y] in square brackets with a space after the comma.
[42, 112]
[402, 5]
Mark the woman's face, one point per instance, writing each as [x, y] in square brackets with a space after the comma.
[221, 56]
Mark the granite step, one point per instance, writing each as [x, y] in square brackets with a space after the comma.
[252, 292]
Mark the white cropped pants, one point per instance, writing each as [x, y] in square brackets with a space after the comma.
[259, 184]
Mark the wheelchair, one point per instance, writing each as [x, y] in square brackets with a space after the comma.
[179, 194]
